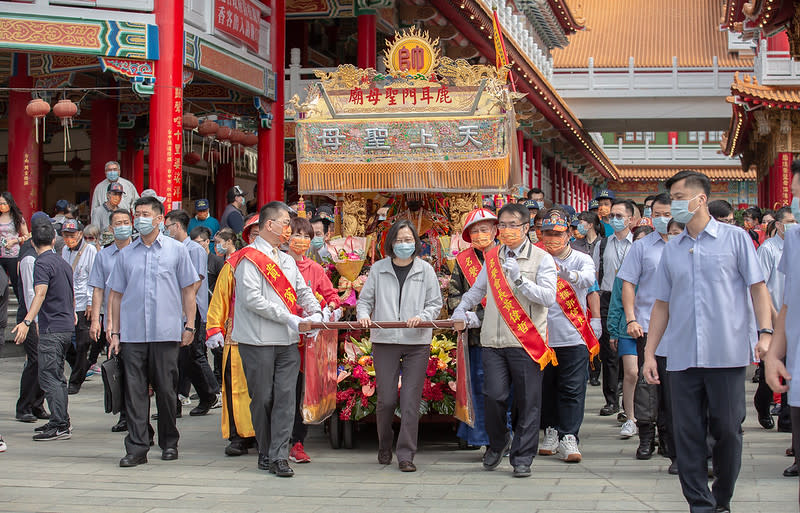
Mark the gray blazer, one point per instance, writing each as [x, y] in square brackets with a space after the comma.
[380, 300]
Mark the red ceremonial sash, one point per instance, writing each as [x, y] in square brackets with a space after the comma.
[568, 301]
[513, 313]
[470, 266]
[272, 272]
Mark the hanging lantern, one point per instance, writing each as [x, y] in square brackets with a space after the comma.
[38, 109]
[65, 110]
[237, 137]
[191, 158]
[212, 157]
[207, 129]
[250, 140]
[224, 135]
[190, 122]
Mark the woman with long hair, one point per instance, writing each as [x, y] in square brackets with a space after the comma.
[13, 232]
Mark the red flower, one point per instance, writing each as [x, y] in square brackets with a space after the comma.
[433, 363]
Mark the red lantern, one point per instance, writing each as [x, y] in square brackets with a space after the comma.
[190, 121]
[191, 158]
[237, 137]
[207, 128]
[250, 139]
[37, 109]
[224, 133]
[65, 110]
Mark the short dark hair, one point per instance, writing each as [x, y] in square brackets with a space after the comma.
[153, 202]
[781, 213]
[179, 216]
[652, 198]
[647, 230]
[42, 234]
[753, 213]
[302, 225]
[540, 215]
[661, 199]
[534, 190]
[719, 209]
[119, 212]
[200, 231]
[629, 206]
[270, 211]
[693, 179]
[518, 209]
[673, 222]
[593, 219]
[391, 236]
[795, 166]
[326, 225]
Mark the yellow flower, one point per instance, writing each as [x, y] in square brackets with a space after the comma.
[444, 357]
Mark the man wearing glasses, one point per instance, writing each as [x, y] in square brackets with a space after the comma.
[722, 211]
[608, 257]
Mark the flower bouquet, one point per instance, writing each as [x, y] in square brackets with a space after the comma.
[348, 255]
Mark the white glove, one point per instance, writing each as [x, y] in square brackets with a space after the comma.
[326, 314]
[565, 274]
[597, 327]
[317, 317]
[214, 341]
[472, 320]
[511, 268]
[337, 315]
[293, 322]
[459, 315]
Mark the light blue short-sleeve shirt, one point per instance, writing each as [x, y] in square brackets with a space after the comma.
[101, 270]
[790, 266]
[150, 280]
[639, 268]
[199, 259]
[707, 283]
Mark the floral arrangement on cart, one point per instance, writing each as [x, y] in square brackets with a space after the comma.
[356, 399]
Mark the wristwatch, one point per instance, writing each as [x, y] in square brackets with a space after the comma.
[765, 330]
[190, 330]
[518, 282]
[27, 322]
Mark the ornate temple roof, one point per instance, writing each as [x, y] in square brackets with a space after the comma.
[659, 173]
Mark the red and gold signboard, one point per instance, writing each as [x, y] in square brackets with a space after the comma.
[239, 19]
[412, 54]
[173, 153]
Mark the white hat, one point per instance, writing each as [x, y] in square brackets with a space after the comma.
[152, 193]
[476, 216]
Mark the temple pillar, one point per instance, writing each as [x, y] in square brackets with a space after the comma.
[23, 150]
[103, 138]
[270, 141]
[166, 106]
[367, 40]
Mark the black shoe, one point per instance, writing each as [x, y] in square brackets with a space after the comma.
[407, 466]
[622, 417]
[169, 454]
[41, 414]
[281, 468]
[27, 417]
[776, 409]
[73, 389]
[53, 433]
[790, 452]
[791, 471]
[384, 456]
[200, 409]
[609, 409]
[120, 426]
[595, 382]
[766, 422]
[43, 427]
[722, 509]
[131, 460]
[236, 448]
[673, 468]
[263, 461]
[492, 458]
[646, 447]
[522, 471]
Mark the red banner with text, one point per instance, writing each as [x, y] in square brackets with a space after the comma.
[239, 19]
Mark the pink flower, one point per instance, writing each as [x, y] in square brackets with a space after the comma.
[343, 374]
[452, 385]
[368, 390]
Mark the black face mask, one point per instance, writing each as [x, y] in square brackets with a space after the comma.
[414, 205]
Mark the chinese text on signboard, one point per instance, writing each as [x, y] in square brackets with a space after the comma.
[239, 19]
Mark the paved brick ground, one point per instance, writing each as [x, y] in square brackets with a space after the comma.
[82, 475]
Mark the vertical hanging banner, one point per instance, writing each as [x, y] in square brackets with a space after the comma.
[239, 19]
[174, 146]
[784, 168]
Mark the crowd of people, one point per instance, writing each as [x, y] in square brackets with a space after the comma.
[664, 304]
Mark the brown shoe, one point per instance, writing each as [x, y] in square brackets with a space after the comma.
[384, 456]
[407, 466]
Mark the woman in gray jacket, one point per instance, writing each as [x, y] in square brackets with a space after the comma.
[400, 287]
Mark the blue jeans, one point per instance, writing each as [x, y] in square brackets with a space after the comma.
[52, 351]
[477, 435]
[564, 390]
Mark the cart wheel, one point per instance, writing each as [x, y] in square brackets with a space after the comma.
[335, 430]
[347, 434]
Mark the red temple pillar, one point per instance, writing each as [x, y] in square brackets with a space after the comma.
[138, 169]
[367, 40]
[521, 151]
[103, 138]
[224, 181]
[529, 161]
[553, 168]
[128, 157]
[166, 105]
[270, 141]
[23, 150]
[537, 161]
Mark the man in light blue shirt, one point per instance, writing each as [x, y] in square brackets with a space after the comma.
[152, 279]
[639, 269]
[703, 317]
[193, 360]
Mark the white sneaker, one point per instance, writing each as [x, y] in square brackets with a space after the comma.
[549, 445]
[185, 401]
[628, 429]
[218, 402]
[568, 449]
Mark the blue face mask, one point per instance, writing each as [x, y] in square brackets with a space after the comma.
[660, 224]
[404, 249]
[123, 232]
[112, 176]
[582, 229]
[617, 224]
[648, 211]
[143, 225]
[680, 210]
[672, 235]
[795, 206]
[163, 229]
[317, 242]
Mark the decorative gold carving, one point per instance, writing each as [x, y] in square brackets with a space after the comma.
[354, 216]
[793, 33]
[422, 39]
[459, 206]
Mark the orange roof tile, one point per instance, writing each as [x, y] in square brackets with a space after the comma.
[749, 90]
[650, 32]
[652, 173]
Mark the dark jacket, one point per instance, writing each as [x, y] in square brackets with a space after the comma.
[458, 286]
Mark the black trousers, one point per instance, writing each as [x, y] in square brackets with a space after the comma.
[795, 420]
[665, 430]
[194, 367]
[153, 363]
[77, 355]
[504, 368]
[10, 266]
[710, 400]
[564, 388]
[96, 347]
[31, 395]
[300, 429]
[608, 356]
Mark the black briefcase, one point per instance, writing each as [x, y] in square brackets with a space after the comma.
[111, 370]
